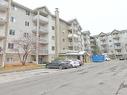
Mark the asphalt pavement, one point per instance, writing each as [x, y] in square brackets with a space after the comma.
[107, 78]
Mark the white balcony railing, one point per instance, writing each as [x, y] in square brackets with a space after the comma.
[43, 41]
[42, 30]
[3, 5]
[41, 51]
[43, 20]
[117, 47]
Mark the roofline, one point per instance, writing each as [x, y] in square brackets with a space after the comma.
[21, 6]
[32, 10]
[61, 19]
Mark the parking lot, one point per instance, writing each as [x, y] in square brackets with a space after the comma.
[105, 78]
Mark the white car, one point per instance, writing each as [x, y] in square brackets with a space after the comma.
[107, 59]
[75, 63]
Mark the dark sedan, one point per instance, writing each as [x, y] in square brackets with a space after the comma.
[59, 65]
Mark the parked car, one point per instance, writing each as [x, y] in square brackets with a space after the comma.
[121, 58]
[107, 59]
[59, 65]
[74, 63]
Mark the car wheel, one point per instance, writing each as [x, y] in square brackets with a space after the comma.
[60, 67]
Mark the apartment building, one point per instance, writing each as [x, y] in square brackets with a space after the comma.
[113, 43]
[86, 40]
[93, 43]
[54, 35]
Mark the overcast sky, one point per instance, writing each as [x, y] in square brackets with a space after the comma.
[93, 15]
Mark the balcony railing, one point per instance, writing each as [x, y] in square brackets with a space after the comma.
[103, 38]
[70, 43]
[3, 5]
[116, 36]
[117, 47]
[42, 30]
[43, 41]
[40, 51]
[43, 20]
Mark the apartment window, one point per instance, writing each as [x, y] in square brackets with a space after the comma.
[12, 32]
[53, 48]
[14, 7]
[9, 59]
[12, 19]
[26, 35]
[119, 51]
[28, 13]
[27, 23]
[53, 37]
[10, 45]
[53, 28]
[63, 40]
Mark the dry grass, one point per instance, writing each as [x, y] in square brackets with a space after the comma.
[19, 67]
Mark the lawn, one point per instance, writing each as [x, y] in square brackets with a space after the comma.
[19, 67]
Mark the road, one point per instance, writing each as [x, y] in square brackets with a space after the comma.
[109, 78]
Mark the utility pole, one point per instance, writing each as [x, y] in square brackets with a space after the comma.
[6, 32]
[37, 37]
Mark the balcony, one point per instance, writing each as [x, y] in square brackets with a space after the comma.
[70, 28]
[41, 51]
[43, 20]
[70, 43]
[40, 40]
[42, 30]
[116, 41]
[43, 41]
[103, 39]
[2, 20]
[72, 35]
[116, 36]
[3, 5]
[117, 47]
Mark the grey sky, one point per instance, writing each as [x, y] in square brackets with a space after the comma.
[94, 15]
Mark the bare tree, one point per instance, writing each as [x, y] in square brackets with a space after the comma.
[24, 48]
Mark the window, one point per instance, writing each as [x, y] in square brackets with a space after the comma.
[53, 28]
[9, 59]
[53, 37]
[10, 46]
[110, 41]
[14, 7]
[12, 32]
[63, 40]
[28, 13]
[53, 48]
[27, 23]
[12, 19]
[26, 35]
